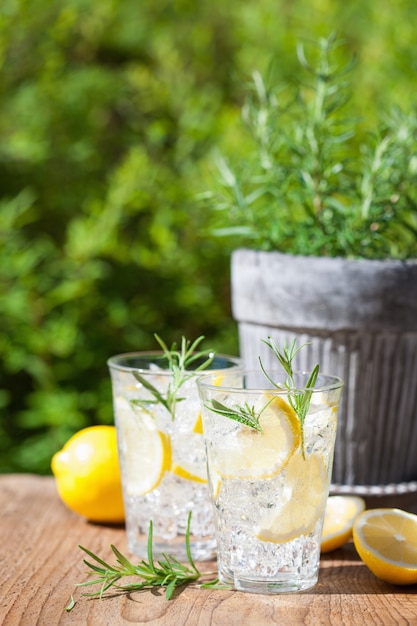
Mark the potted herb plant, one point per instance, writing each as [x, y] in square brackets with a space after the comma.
[324, 211]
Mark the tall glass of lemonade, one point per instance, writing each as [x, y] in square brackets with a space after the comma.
[269, 453]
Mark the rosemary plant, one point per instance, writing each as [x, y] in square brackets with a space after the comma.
[316, 182]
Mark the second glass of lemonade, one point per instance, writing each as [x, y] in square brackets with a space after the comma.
[270, 454]
[161, 453]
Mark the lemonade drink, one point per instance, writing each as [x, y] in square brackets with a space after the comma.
[269, 486]
[162, 455]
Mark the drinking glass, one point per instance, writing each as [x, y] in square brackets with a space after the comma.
[269, 480]
[161, 453]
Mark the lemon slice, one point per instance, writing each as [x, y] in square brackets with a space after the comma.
[190, 472]
[341, 512]
[255, 455]
[215, 483]
[189, 456]
[145, 450]
[386, 540]
[198, 426]
[305, 492]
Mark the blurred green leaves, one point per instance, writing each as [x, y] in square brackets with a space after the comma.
[103, 119]
[108, 114]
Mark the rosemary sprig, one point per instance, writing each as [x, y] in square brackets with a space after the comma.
[167, 572]
[179, 363]
[299, 399]
[246, 414]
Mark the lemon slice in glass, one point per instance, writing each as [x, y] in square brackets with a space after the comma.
[198, 426]
[189, 471]
[386, 540]
[304, 496]
[145, 450]
[341, 512]
[215, 483]
[255, 455]
[188, 454]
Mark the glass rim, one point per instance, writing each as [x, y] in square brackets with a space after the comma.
[113, 361]
[333, 382]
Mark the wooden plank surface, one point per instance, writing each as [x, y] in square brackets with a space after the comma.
[41, 565]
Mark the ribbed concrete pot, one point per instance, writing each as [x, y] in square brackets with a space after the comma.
[361, 319]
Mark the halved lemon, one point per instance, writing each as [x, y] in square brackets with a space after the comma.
[386, 540]
[341, 512]
[301, 502]
[145, 450]
[255, 455]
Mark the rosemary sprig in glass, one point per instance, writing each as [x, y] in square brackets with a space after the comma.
[299, 399]
[247, 415]
[166, 573]
[179, 364]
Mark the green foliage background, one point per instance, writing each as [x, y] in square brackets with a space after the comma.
[108, 113]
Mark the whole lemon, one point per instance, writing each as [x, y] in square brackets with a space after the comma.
[88, 476]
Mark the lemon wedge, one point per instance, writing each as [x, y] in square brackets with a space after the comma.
[145, 450]
[341, 512]
[386, 540]
[305, 491]
[255, 455]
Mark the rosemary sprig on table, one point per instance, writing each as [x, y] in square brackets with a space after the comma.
[179, 363]
[167, 572]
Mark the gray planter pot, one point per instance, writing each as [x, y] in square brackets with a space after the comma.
[361, 319]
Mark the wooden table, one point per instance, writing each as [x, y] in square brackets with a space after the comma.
[41, 564]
